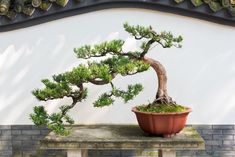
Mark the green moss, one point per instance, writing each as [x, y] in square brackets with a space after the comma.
[163, 108]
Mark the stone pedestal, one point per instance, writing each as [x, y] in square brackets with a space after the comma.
[85, 137]
[77, 153]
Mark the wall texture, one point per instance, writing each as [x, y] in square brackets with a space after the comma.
[23, 141]
[201, 74]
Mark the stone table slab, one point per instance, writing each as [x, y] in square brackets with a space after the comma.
[122, 137]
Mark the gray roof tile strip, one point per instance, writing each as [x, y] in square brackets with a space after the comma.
[74, 7]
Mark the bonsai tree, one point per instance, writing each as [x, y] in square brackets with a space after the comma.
[115, 61]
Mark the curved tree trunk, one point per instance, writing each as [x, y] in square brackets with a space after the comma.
[161, 96]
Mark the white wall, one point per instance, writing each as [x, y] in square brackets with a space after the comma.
[201, 74]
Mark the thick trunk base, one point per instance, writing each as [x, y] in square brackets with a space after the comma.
[163, 100]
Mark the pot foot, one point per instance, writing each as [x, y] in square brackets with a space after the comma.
[168, 135]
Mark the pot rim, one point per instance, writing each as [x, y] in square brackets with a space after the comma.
[134, 109]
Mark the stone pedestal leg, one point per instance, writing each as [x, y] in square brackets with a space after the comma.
[166, 153]
[77, 153]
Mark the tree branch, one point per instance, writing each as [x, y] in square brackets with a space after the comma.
[101, 55]
[138, 38]
[161, 44]
[132, 73]
[128, 54]
[75, 100]
[147, 47]
[98, 82]
[102, 82]
[65, 110]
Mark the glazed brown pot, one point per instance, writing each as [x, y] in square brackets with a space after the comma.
[162, 124]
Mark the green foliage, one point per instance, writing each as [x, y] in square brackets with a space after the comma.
[138, 31]
[40, 116]
[59, 129]
[163, 108]
[100, 71]
[132, 91]
[52, 90]
[78, 75]
[115, 62]
[168, 40]
[106, 99]
[165, 39]
[99, 50]
[125, 66]
[55, 121]
[61, 85]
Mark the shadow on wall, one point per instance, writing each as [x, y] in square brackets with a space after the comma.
[216, 80]
[23, 63]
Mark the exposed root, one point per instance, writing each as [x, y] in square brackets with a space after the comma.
[166, 100]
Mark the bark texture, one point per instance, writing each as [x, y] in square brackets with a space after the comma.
[162, 95]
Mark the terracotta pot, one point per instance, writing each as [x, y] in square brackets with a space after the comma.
[162, 124]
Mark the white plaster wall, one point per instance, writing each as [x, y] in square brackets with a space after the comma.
[201, 74]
